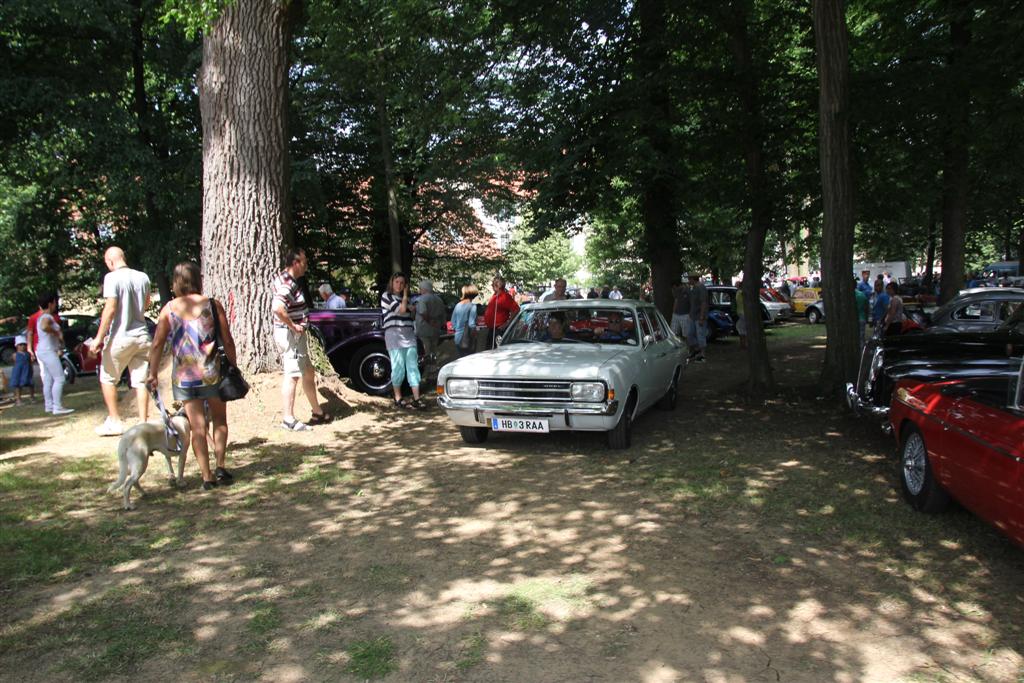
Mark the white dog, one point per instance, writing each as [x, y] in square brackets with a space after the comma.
[141, 441]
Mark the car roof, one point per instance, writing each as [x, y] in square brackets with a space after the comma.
[989, 292]
[625, 304]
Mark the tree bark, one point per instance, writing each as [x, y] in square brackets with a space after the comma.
[394, 228]
[154, 233]
[956, 156]
[658, 203]
[243, 101]
[760, 377]
[929, 264]
[842, 348]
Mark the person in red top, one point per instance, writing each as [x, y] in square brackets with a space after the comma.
[32, 331]
[500, 310]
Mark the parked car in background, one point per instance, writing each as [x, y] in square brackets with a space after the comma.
[74, 325]
[82, 328]
[723, 298]
[612, 361]
[354, 343]
[804, 297]
[963, 440]
[815, 313]
[777, 310]
[979, 308]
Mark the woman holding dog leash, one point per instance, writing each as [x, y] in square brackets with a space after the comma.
[192, 322]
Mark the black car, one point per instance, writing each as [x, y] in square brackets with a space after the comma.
[932, 357]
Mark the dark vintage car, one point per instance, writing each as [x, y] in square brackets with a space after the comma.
[354, 343]
[931, 357]
[963, 439]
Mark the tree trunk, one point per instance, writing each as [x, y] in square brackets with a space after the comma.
[1020, 252]
[394, 229]
[243, 101]
[842, 349]
[154, 234]
[956, 155]
[929, 262]
[658, 204]
[760, 377]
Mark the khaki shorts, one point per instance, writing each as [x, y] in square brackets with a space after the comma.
[294, 350]
[125, 352]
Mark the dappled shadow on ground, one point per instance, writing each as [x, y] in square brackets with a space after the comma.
[732, 542]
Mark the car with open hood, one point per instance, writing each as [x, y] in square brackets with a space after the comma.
[583, 365]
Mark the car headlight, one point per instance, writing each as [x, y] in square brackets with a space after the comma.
[463, 388]
[587, 391]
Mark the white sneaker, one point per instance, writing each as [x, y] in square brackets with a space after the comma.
[110, 428]
[62, 411]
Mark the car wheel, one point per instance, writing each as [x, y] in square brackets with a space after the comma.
[69, 371]
[474, 434]
[671, 397]
[813, 316]
[919, 486]
[621, 436]
[7, 355]
[370, 370]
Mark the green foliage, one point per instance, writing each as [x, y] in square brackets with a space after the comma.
[537, 261]
[195, 17]
[372, 658]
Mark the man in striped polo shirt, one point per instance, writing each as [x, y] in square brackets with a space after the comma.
[290, 322]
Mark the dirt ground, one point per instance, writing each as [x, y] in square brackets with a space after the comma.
[732, 542]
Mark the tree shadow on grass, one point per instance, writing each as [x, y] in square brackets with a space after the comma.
[748, 543]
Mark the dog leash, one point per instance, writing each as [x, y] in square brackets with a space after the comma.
[172, 433]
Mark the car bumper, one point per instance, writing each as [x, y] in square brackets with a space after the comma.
[584, 417]
[862, 407]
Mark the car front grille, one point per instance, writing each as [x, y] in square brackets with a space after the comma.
[525, 390]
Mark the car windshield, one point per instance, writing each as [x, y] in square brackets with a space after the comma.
[574, 325]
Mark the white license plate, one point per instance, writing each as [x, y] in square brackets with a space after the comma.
[518, 424]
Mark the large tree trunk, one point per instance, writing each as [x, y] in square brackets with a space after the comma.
[760, 379]
[955, 155]
[842, 349]
[658, 204]
[243, 100]
[929, 259]
[394, 229]
[154, 258]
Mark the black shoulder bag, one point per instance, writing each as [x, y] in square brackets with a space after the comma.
[232, 385]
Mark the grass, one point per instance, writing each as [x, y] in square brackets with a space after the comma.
[524, 607]
[371, 658]
[386, 577]
[111, 636]
[474, 647]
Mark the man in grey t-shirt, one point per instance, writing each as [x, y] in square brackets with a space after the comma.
[124, 336]
[698, 337]
[681, 309]
[431, 316]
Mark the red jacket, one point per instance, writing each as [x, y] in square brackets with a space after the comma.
[500, 309]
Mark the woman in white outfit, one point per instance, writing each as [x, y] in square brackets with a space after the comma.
[51, 341]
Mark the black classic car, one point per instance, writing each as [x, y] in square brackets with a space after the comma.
[354, 343]
[932, 357]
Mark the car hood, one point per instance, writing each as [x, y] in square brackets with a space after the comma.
[536, 360]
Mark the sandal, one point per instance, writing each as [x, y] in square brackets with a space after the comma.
[223, 476]
[402, 405]
[319, 419]
[209, 485]
[294, 426]
[418, 404]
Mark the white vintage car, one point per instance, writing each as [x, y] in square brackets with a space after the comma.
[586, 365]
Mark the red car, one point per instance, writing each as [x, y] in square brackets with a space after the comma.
[963, 439]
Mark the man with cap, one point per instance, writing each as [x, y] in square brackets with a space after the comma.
[431, 316]
[332, 301]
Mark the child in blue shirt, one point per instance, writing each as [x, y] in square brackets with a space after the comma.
[21, 374]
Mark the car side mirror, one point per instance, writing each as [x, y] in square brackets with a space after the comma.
[497, 340]
[648, 339]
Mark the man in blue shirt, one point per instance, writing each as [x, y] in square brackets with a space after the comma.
[864, 285]
[881, 304]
